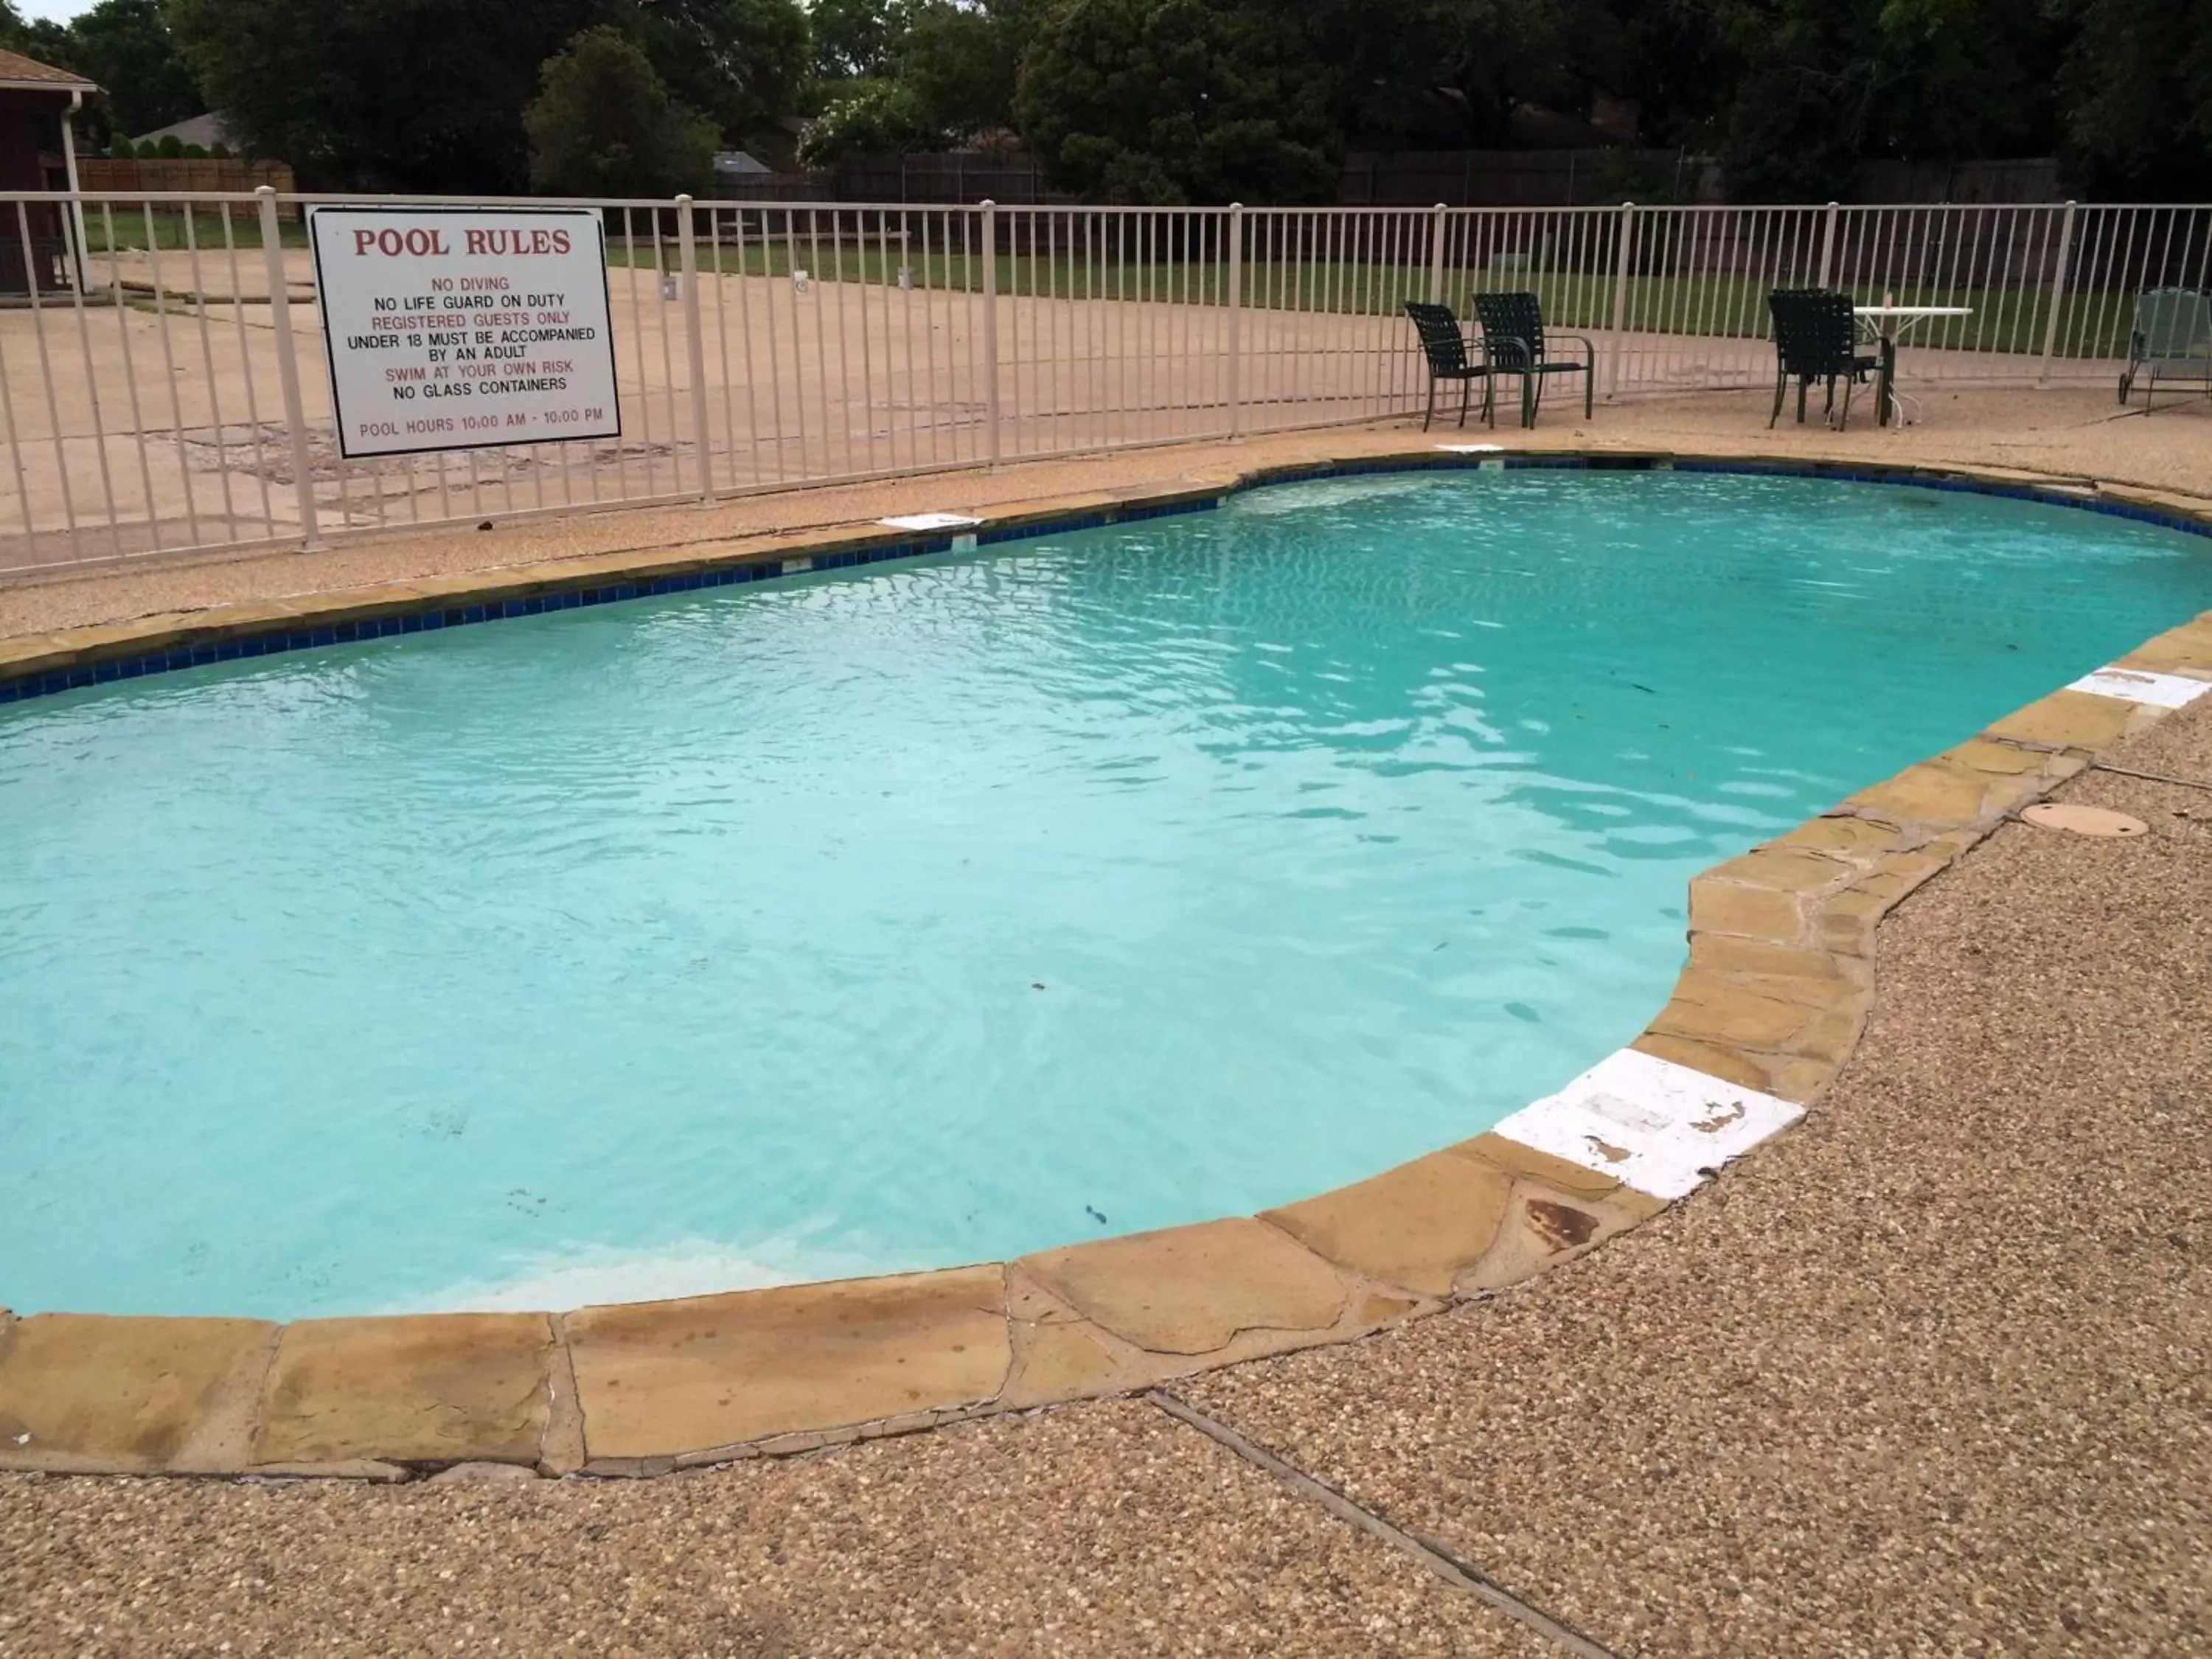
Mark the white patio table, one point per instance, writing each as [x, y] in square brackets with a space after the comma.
[1888, 325]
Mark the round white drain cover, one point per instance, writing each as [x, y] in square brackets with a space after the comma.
[2083, 820]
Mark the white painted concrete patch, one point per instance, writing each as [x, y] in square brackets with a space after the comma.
[1472, 449]
[2137, 685]
[1648, 1123]
[931, 522]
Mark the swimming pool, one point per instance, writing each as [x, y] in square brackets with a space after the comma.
[939, 912]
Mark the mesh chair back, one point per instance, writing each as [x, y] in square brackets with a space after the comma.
[1440, 337]
[1813, 330]
[1513, 324]
[2174, 322]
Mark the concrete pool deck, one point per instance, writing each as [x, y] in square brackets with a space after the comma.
[2069, 435]
[1778, 983]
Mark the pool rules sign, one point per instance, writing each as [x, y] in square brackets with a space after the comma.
[454, 328]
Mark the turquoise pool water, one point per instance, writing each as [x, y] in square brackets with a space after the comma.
[943, 911]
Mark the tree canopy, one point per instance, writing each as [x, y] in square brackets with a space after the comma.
[604, 125]
[428, 94]
[1179, 100]
[1173, 99]
[2138, 106]
[126, 46]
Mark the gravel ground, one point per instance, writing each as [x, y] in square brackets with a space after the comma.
[1932, 1374]
[1106, 1529]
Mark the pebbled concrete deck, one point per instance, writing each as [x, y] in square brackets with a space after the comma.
[1931, 1374]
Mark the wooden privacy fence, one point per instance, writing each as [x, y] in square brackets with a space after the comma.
[198, 175]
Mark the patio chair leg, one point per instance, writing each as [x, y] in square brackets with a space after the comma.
[1466, 392]
[1590, 393]
[1489, 400]
[1804, 385]
[1431, 413]
[1846, 422]
[1781, 384]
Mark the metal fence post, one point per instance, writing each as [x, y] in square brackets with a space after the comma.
[1437, 223]
[288, 371]
[2059, 273]
[688, 256]
[1236, 224]
[1623, 257]
[1827, 245]
[991, 324]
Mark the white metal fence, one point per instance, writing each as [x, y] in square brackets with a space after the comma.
[163, 388]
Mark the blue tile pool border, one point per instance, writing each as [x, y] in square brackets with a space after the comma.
[742, 569]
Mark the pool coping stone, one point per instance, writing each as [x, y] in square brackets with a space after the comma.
[1780, 976]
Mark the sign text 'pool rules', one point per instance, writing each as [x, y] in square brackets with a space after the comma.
[454, 328]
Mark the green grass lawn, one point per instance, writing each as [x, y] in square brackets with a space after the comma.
[2092, 323]
[134, 227]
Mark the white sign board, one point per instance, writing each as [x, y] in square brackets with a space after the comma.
[454, 328]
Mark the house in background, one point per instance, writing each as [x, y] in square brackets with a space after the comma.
[206, 130]
[38, 151]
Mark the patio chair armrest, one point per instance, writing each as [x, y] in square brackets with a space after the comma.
[1489, 340]
[1589, 350]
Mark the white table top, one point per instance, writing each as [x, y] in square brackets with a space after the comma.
[1913, 311]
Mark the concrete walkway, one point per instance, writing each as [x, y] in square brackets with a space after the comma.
[1930, 1375]
[2071, 434]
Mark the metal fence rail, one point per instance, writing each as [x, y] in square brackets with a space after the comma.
[163, 384]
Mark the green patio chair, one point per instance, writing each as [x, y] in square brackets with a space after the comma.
[1816, 339]
[1445, 347]
[2172, 341]
[1515, 342]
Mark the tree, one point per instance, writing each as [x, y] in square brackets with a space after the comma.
[1179, 100]
[858, 38]
[379, 94]
[869, 118]
[428, 94]
[1820, 85]
[39, 38]
[1448, 71]
[604, 125]
[742, 62]
[2138, 84]
[126, 46]
[1664, 55]
[962, 61]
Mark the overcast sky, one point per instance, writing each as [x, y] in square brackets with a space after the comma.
[60, 10]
